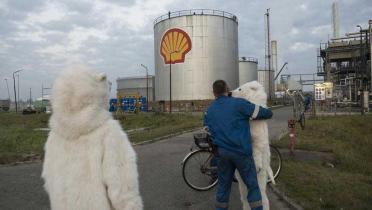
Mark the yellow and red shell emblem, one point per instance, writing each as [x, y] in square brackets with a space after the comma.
[174, 46]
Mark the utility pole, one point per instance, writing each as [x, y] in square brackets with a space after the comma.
[42, 96]
[170, 81]
[15, 92]
[268, 51]
[147, 86]
[19, 94]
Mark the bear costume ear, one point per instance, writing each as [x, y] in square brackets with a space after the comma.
[101, 77]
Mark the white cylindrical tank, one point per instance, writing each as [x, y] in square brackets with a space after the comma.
[264, 78]
[200, 46]
[274, 60]
[247, 70]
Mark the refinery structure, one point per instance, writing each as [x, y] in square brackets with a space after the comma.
[345, 64]
[193, 48]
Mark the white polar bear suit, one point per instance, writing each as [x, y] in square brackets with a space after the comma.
[255, 93]
[89, 162]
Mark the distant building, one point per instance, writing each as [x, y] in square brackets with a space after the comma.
[135, 87]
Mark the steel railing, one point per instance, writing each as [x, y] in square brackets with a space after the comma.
[196, 12]
[249, 59]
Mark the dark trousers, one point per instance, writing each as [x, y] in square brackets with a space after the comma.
[228, 162]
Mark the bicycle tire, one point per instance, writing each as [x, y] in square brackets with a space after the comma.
[275, 153]
[185, 178]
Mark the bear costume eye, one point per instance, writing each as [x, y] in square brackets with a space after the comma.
[240, 89]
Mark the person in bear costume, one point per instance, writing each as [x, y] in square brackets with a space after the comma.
[89, 163]
[254, 92]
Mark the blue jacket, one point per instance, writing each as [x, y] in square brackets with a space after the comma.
[227, 119]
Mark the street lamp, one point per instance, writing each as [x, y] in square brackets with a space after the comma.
[170, 80]
[19, 93]
[147, 86]
[7, 86]
[15, 92]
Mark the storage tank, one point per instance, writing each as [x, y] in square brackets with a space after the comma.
[264, 77]
[247, 70]
[274, 59]
[199, 46]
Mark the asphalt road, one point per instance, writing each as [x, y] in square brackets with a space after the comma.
[161, 183]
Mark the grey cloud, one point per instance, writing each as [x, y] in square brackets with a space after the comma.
[124, 3]
[24, 7]
[80, 6]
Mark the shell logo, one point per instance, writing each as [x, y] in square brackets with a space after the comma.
[174, 46]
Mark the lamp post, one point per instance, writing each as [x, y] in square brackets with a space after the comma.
[7, 86]
[147, 86]
[170, 80]
[19, 94]
[15, 92]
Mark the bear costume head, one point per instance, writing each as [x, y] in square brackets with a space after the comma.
[253, 91]
[79, 102]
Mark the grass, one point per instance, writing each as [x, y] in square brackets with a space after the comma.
[19, 140]
[18, 137]
[346, 186]
[158, 124]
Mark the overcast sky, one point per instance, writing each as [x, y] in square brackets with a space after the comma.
[115, 36]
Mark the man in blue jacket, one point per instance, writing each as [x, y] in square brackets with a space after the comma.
[227, 119]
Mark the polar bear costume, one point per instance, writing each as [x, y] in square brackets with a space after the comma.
[89, 162]
[255, 93]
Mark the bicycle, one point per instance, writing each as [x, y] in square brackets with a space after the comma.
[298, 107]
[199, 170]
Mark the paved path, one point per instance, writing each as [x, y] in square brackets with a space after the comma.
[162, 186]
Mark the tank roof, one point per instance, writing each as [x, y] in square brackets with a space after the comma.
[180, 13]
[134, 77]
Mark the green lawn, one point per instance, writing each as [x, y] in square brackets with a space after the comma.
[19, 140]
[158, 124]
[346, 186]
[18, 137]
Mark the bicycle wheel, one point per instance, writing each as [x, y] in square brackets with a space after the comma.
[275, 162]
[199, 170]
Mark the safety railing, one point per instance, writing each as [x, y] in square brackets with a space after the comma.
[248, 59]
[196, 12]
